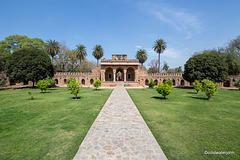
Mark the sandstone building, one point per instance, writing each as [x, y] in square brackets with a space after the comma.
[129, 71]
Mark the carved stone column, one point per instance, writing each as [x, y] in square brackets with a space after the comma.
[114, 75]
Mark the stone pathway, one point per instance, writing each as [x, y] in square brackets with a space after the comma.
[119, 132]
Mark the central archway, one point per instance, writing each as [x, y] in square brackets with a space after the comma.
[119, 74]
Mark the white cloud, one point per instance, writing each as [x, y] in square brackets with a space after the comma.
[181, 19]
[138, 47]
[172, 53]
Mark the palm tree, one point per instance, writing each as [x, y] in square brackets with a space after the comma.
[142, 55]
[159, 46]
[98, 52]
[53, 48]
[81, 53]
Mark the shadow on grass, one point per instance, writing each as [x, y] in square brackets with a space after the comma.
[185, 87]
[191, 92]
[155, 97]
[97, 89]
[76, 98]
[52, 89]
[199, 98]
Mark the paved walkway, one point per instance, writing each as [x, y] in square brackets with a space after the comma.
[119, 132]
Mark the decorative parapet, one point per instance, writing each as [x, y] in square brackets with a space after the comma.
[165, 74]
[72, 74]
[114, 61]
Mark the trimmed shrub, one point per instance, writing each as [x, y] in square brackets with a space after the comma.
[209, 87]
[164, 89]
[97, 83]
[151, 84]
[43, 85]
[197, 85]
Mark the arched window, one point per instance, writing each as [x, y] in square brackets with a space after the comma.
[91, 81]
[156, 82]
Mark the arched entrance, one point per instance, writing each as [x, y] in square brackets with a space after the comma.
[146, 82]
[130, 74]
[156, 82]
[174, 82]
[56, 81]
[109, 74]
[119, 74]
[226, 84]
[182, 82]
[83, 81]
[91, 81]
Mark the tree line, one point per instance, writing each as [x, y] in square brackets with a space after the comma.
[63, 58]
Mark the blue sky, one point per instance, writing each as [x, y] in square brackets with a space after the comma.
[124, 26]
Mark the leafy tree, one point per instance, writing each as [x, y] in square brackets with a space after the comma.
[159, 47]
[206, 65]
[50, 81]
[165, 66]
[43, 85]
[169, 82]
[29, 65]
[141, 55]
[97, 83]
[235, 45]
[209, 87]
[69, 81]
[164, 89]
[53, 48]
[197, 85]
[75, 87]
[97, 52]
[81, 53]
[15, 42]
[237, 84]
[151, 84]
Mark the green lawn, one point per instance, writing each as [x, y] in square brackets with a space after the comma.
[186, 124]
[50, 127]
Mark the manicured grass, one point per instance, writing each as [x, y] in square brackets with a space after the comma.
[50, 127]
[187, 124]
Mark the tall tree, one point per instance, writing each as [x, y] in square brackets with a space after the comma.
[141, 55]
[81, 53]
[53, 48]
[97, 52]
[29, 64]
[165, 66]
[159, 47]
[206, 65]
